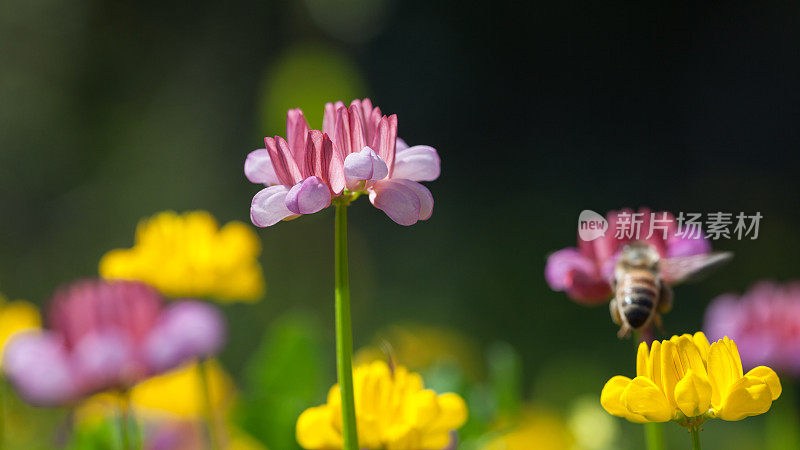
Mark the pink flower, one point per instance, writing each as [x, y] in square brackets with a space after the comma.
[585, 272]
[764, 322]
[108, 335]
[356, 152]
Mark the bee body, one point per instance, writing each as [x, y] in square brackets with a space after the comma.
[637, 295]
[642, 280]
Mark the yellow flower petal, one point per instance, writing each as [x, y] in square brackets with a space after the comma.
[749, 396]
[642, 355]
[693, 394]
[654, 363]
[722, 372]
[737, 360]
[671, 370]
[189, 255]
[770, 378]
[642, 397]
[452, 412]
[702, 344]
[690, 355]
[179, 392]
[393, 411]
[610, 397]
[315, 429]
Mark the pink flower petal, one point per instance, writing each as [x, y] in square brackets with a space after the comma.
[336, 168]
[400, 145]
[38, 367]
[279, 164]
[423, 194]
[362, 166]
[569, 270]
[269, 206]
[385, 140]
[399, 202]
[687, 246]
[417, 163]
[329, 119]
[258, 167]
[188, 330]
[357, 132]
[296, 131]
[287, 156]
[308, 196]
[105, 359]
[315, 162]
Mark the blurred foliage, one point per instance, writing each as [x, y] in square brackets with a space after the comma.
[285, 376]
[306, 76]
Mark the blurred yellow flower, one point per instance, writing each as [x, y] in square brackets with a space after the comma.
[16, 316]
[393, 411]
[536, 429]
[421, 346]
[189, 255]
[687, 380]
[177, 395]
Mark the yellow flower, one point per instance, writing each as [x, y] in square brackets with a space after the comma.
[393, 412]
[421, 346]
[175, 395]
[16, 316]
[536, 429]
[687, 380]
[189, 255]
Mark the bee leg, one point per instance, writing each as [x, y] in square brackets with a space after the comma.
[615, 315]
[665, 299]
[624, 331]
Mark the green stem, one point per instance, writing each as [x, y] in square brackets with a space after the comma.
[208, 405]
[695, 438]
[344, 333]
[124, 421]
[654, 436]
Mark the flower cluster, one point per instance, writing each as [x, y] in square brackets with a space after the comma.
[584, 273]
[393, 410]
[189, 255]
[686, 380]
[356, 152]
[765, 322]
[108, 335]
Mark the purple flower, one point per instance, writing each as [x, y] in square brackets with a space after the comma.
[584, 273]
[108, 335]
[356, 152]
[764, 322]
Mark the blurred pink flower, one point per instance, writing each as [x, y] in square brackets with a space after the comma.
[108, 335]
[764, 322]
[585, 272]
[357, 150]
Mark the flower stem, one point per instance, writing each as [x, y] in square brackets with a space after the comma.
[695, 438]
[344, 333]
[124, 420]
[654, 436]
[208, 405]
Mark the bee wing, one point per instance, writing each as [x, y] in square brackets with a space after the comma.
[691, 268]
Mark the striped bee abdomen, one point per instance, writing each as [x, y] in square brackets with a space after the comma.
[637, 293]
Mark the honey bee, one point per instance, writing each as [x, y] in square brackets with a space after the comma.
[642, 283]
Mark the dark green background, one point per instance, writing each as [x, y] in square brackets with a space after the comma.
[112, 111]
